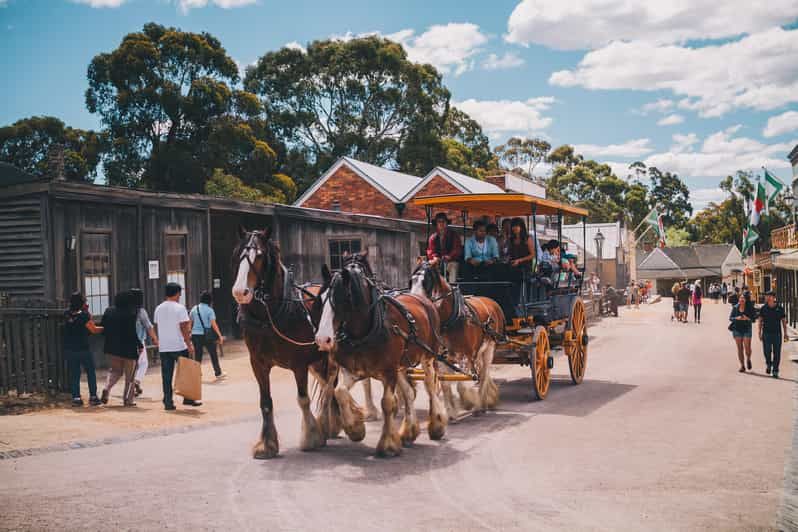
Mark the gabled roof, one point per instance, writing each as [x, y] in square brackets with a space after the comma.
[695, 260]
[464, 183]
[394, 185]
[11, 175]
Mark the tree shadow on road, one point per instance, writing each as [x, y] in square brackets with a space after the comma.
[564, 398]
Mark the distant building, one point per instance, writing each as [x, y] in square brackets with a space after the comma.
[615, 259]
[708, 262]
[353, 186]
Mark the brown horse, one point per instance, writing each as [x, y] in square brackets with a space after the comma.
[470, 327]
[275, 316]
[370, 333]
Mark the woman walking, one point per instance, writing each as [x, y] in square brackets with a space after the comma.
[77, 328]
[742, 317]
[205, 332]
[698, 297]
[122, 345]
[144, 328]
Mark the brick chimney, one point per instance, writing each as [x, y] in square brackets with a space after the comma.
[498, 180]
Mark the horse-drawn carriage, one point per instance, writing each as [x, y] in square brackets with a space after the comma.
[543, 309]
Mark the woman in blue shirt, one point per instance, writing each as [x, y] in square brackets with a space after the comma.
[203, 319]
[481, 252]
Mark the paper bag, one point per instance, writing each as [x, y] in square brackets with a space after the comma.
[188, 379]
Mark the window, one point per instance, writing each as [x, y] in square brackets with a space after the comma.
[176, 262]
[338, 248]
[96, 250]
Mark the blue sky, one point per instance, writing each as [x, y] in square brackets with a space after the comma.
[701, 90]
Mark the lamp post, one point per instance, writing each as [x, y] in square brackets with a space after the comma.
[599, 240]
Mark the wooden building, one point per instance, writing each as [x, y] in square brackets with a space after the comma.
[57, 237]
[707, 262]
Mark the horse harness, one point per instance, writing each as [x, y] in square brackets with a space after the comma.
[462, 311]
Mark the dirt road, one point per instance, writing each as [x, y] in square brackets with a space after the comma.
[664, 434]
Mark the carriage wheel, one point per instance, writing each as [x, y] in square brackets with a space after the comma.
[541, 373]
[577, 348]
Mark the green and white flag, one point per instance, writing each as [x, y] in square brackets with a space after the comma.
[773, 187]
[749, 237]
[760, 205]
[654, 219]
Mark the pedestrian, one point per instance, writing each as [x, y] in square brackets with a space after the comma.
[636, 294]
[675, 292]
[772, 321]
[122, 346]
[144, 328]
[684, 296]
[205, 332]
[698, 297]
[77, 327]
[444, 248]
[742, 317]
[724, 292]
[174, 336]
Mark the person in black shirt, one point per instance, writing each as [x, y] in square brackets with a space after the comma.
[772, 320]
[122, 345]
[77, 327]
[683, 296]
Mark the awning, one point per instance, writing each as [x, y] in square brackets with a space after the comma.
[786, 259]
[683, 273]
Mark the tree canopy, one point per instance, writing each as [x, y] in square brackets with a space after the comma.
[28, 143]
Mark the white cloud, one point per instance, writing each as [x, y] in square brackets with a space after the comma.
[719, 155]
[781, 124]
[632, 148]
[508, 60]
[757, 71]
[95, 3]
[662, 105]
[187, 5]
[294, 45]
[700, 198]
[509, 115]
[449, 48]
[584, 24]
[671, 120]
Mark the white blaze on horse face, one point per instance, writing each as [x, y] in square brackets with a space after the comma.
[417, 284]
[325, 334]
[242, 292]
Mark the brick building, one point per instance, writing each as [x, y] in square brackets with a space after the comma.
[357, 187]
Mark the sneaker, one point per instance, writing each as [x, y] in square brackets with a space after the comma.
[130, 403]
[748, 363]
[77, 401]
[138, 389]
[189, 402]
[767, 370]
[775, 375]
[104, 397]
[221, 376]
[169, 407]
[742, 369]
[95, 401]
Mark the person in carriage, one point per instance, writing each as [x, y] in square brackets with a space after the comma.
[481, 254]
[444, 248]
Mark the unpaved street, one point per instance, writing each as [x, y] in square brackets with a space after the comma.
[664, 434]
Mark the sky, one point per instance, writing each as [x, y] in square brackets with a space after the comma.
[699, 88]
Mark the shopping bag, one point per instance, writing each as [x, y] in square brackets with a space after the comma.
[188, 379]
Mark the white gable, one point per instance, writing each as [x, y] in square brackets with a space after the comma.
[613, 238]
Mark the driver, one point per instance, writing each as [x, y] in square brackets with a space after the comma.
[445, 247]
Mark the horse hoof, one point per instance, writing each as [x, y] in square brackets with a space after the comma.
[437, 429]
[389, 448]
[408, 434]
[312, 439]
[356, 433]
[264, 451]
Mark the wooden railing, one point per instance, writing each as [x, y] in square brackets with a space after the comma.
[784, 237]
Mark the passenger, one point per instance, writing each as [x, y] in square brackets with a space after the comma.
[481, 253]
[504, 239]
[493, 230]
[445, 248]
[521, 255]
[570, 268]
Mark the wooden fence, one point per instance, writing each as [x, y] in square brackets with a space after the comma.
[31, 357]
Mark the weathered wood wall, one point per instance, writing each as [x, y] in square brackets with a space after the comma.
[23, 246]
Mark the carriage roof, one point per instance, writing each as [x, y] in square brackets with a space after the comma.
[502, 204]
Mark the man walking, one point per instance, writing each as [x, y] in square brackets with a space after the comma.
[174, 338]
[772, 321]
[684, 296]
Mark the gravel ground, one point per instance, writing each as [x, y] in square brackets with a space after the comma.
[664, 434]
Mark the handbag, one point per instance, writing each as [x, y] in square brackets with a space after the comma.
[188, 379]
[208, 332]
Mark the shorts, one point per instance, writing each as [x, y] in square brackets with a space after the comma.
[676, 306]
[742, 334]
[683, 307]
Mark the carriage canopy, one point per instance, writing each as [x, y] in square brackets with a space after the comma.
[502, 204]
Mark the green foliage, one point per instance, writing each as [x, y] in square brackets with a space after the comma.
[27, 143]
[229, 186]
[523, 155]
[675, 236]
[671, 195]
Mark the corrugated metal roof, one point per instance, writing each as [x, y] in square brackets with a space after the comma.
[395, 183]
[470, 184]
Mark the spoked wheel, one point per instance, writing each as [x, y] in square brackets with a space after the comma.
[576, 349]
[541, 372]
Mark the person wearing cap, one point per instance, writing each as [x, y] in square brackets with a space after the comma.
[772, 321]
[444, 247]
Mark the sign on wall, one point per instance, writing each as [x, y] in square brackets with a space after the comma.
[217, 283]
[154, 268]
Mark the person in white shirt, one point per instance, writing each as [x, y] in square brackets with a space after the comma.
[174, 339]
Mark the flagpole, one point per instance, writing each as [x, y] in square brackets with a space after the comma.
[644, 220]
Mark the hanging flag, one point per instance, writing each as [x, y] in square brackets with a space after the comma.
[652, 218]
[749, 237]
[760, 204]
[661, 230]
[773, 187]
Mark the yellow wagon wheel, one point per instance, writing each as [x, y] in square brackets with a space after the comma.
[576, 348]
[541, 372]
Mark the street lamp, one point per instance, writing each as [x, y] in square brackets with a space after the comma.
[599, 240]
